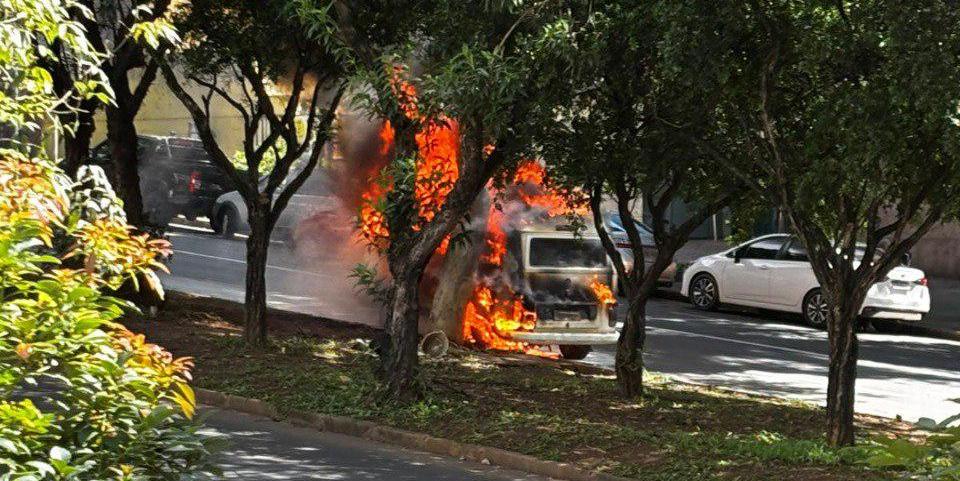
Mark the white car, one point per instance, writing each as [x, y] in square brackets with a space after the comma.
[312, 199]
[773, 272]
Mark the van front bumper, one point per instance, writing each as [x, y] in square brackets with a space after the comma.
[566, 338]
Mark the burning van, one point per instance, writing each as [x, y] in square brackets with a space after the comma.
[568, 282]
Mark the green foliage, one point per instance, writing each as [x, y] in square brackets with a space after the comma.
[849, 117]
[28, 31]
[80, 396]
[481, 65]
[368, 280]
[624, 122]
[273, 35]
[937, 457]
[765, 446]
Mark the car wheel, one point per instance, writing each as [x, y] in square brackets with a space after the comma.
[704, 294]
[815, 310]
[573, 352]
[227, 222]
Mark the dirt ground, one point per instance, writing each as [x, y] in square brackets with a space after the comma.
[551, 409]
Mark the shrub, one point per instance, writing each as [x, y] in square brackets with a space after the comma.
[938, 457]
[80, 396]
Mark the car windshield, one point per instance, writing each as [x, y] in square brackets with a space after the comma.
[569, 252]
[616, 225]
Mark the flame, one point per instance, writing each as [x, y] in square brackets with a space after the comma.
[387, 135]
[488, 321]
[496, 238]
[495, 311]
[533, 188]
[372, 221]
[437, 169]
[603, 292]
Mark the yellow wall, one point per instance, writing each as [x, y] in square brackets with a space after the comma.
[163, 114]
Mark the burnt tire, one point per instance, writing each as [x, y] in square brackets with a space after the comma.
[574, 352]
[816, 312]
[704, 292]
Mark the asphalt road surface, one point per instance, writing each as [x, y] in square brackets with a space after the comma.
[766, 353]
[261, 449]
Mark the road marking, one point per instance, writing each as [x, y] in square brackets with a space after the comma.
[193, 228]
[241, 261]
[748, 343]
[912, 370]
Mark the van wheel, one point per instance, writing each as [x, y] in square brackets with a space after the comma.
[227, 222]
[704, 294]
[573, 352]
[815, 309]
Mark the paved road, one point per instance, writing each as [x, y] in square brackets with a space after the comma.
[767, 353]
[261, 449]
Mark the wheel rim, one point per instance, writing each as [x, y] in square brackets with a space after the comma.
[704, 292]
[817, 310]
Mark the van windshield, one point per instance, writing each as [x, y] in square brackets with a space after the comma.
[553, 252]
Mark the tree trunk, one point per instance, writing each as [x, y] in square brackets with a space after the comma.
[629, 358]
[122, 135]
[76, 146]
[400, 362]
[842, 377]
[255, 297]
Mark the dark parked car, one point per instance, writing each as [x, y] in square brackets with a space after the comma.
[176, 177]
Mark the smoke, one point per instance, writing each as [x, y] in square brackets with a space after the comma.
[325, 241]
[360, 160]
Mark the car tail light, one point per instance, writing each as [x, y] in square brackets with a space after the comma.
[624, 245]
[922, 281]
[194, 183]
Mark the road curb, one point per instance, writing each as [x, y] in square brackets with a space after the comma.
[406, 439]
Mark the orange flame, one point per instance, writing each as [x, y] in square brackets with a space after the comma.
[437, 169]
[531, 179]
[438, 166]
[488, 322]
[496, 238]
[494, 313]
[603, 292]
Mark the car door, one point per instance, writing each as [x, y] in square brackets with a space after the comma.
[310, 199]
[791, 275]
[747, 278]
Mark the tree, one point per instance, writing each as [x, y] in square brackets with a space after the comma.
[851, 110]
[124, 33]
[258, 48]
[633, 129]
[482, 71]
